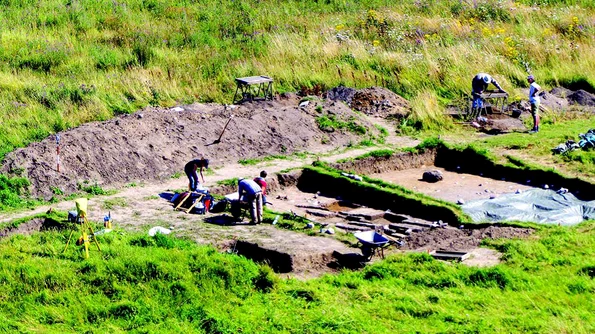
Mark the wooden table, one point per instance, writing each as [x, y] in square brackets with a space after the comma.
[250, 88]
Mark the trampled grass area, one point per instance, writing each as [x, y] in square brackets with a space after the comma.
[64, 63]
[164, 284]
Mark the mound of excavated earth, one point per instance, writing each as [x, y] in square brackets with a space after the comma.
[156, 143]
[376, 101]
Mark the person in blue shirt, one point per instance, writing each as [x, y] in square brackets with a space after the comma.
[252, 193]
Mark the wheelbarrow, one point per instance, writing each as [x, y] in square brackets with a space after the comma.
[372, 243]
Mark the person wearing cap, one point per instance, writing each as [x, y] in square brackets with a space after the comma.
[191, 169]
[260, 180]
[534, 100]
[253, 195]
[479, 84]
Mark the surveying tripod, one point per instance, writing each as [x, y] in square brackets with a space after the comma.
[85, 228]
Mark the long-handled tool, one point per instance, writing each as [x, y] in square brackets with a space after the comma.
[218, 140]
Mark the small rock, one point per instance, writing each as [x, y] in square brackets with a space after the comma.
[480, 184]
[492, 196]
[139, 115]
[177, 109]
[432, 176]
[518, 191]
[304, 104]
[545, 186]
[460, 201]
[310, 225]
[330, 230]
[487, 190]
[562, 191]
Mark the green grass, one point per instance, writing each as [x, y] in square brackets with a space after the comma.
[110, 203]
[256, 161]
[541, 144]
[163, 284]
[65, 64]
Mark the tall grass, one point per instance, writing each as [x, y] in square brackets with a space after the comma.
[66, 63]
[163, 284]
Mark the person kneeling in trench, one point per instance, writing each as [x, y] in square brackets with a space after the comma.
[253, 195]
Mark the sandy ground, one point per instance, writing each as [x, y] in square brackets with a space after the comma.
[453, 187]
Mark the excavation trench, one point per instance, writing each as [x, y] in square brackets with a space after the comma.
[392, 195]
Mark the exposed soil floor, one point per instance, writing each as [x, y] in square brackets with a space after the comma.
[453, 187]
[138, 154]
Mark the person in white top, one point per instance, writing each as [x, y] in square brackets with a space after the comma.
[534, 100]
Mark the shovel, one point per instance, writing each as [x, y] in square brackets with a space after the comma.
[218, 140]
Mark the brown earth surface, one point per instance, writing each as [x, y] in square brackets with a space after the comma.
[138, 155]
[155, 143]
[453, 187]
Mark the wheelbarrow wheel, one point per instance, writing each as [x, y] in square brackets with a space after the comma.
[367, 252]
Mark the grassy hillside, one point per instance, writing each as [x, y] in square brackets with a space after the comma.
[66, 62]
[142, 284]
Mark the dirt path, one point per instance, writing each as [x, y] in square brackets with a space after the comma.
[140, 206]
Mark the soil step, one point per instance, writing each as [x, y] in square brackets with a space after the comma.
[316, 207]
[421, 223]
[368, 225]
[406, 227]
[321, 213]
[395, 234]
[395, 217]
[366, 213]
[348, 227]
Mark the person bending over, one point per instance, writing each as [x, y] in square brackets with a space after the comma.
[191, 169]
[253, 195]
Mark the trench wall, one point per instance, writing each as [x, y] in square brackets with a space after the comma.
[379, 196]
[399, 161]
[471, 162]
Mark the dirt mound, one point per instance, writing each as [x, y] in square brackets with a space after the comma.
[461, 239]
[561, 92]
[341, 93]
[553, 101]
[582, 98]
[376, 101]
[381, 102]
[156, 143]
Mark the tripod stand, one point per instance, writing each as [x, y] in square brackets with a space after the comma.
[85, 228]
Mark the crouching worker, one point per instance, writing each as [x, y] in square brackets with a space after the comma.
[191, 169]
[253, 195]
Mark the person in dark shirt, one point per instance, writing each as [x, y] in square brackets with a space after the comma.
[479, 84]
[191, 169]
[263, 185]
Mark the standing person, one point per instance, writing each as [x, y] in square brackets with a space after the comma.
[253, 195]
[479, 84]
[260, 180]
[191, 171]
[534, 100]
